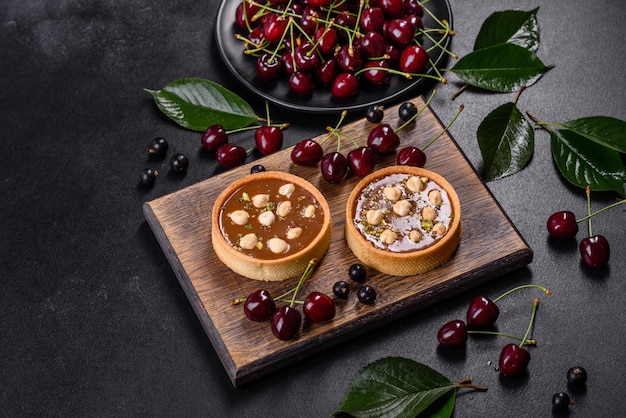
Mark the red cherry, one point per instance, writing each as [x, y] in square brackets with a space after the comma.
[326, 39]
[513, 360]
[301, 83]
[373, 45]
[244, 13]
[411, 156]
[259, 305]
[305, 57]
[334, 167]
[286, 322]
[231, 155]
[307, 152]
[268, 67]
[392, 8]
[362, 161]
[345, 85]
[383, 139]
[453, 334]
[268, 139]
[377, 75]
[327, 71]
[414, 59]
[400, 32]
[214, 137]
[274, 28]
[318, 307]
[562, 225]
[595, 251]
[349, 58]
[372, 19]
[482, 313]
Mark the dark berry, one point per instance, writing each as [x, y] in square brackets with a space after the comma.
[214, 137]
[147, 177]
[318, 307]
[345, 85]
[561, 402]
[366, 294]
[259, 305]
[286, 322]
[257, 168]
[268, 139]
[362, 161]
[334, 167]
[341, 289]
[158, 147]
[513, 360]
[374, 113]
[231, 155]
[577, 376]
[562, 225]
[407, 110]
[357, 273]
[268, 66]
[179, 163]
[411, 156]
[383, 139]
[453, 334]
[301, 83]
[595, 251]
[307, 152]
[414, 59]
[482, 313]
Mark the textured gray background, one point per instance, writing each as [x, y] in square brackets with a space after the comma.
[94, 322]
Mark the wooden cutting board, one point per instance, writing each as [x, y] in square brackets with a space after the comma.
[181, 222]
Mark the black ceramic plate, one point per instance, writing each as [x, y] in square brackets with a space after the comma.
[243, 68]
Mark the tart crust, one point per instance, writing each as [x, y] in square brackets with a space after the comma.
[276, 268]
[409, 262]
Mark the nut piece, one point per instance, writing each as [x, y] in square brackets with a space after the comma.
[392, 193]
[260, 200]
[283, 208]
[402, 207]
[374, 216]
[286, 189]
[248, 241]
[293, 233]
[267, 218]
[309, 211]
[415, 184]
[434, 197]
[239, 217]
[415, 235]
[439, 228]
[277, 245]
[388, 237]
[429, 214]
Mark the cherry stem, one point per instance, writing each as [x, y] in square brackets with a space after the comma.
[612, 205]
[458, 112]
[500, 334]
[532, 320]
[588, 193]
[524, 286]
[467, 383]
[460, 90]
[308, 271]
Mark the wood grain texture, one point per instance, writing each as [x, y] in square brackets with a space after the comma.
[490, 247]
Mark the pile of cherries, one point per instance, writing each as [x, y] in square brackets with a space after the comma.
[382, 140]
[481, 317]
[336, 44]
[594, 249]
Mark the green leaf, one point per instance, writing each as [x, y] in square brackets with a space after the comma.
[394, 387]
[510, 26]
[503, 68]
[196, 104]
[506, 140]
[604, 130]
[582, 162]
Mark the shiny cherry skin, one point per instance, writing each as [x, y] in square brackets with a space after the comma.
[411, 156]
[274, 28]
[326, 39]
[513, 360]
[259, 305]
[383, 139]
[214, 137]
[301, 83]
[268, 67]
[562, 225]
[373, 45]
[413, 59]
[318, 307]
[306, 57]
[377, 73]
[286, 322]
[244, 13]
[268, 139]
[345, 85]
[595, 251]
[307, 152]
[326, 72]
[392, 8]
[362, 161]
[400, 32]
[453, 334]
[231, 155]
[334, 167]
[372, 19]
[482, 313]
[349, 59]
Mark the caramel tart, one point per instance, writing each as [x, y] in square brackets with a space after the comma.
[403, 220]
[268, 226]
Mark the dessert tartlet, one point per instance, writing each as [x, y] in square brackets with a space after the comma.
[403, 220]
[268, 226]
